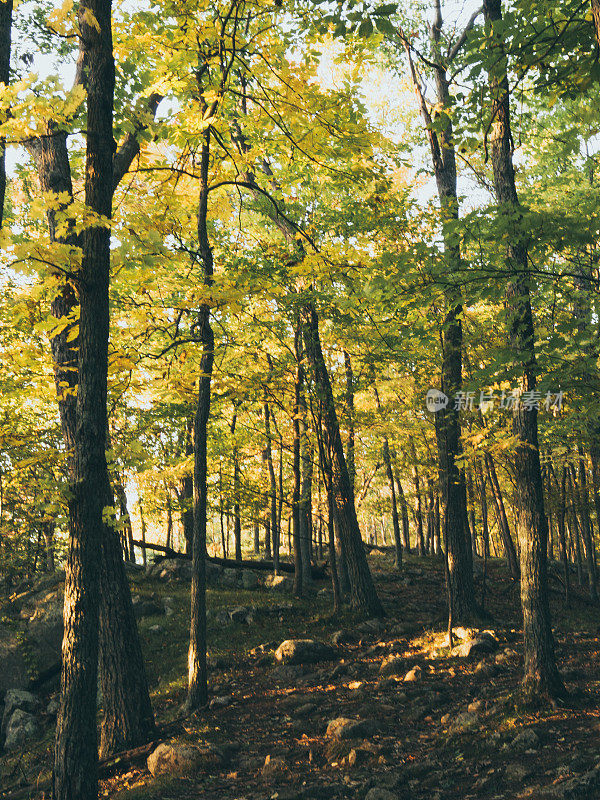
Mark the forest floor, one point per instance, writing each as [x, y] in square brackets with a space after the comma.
[459, 731]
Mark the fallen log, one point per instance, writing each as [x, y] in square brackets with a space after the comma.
[262, 565]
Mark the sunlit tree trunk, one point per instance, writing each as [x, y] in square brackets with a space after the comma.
[75, 775]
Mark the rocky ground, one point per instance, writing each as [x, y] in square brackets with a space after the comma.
[308, 705]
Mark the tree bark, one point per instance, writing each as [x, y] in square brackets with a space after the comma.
[447, 420]
[296, 531]
[197, 694]
[6, 10]
[237, 522]
[387, 460]
[363, 594]
[75, 774]
[541, 676]
[507, 542]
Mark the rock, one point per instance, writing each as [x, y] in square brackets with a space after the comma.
[464, 722]
[485, 669]
[344, 728]
[516, 772]
[249, 579]
[21, 700]
[343, 637]
[526, 740]
[305, 710]
[179, 569]
[392, 665]
[220, 702]
[415, 674]
[52, 707]
[231, 577]
[181, 759]
[303, 651]
[240, 614]
[472, 648]
[582, 787]
[475, 706]
[279, 583]
[274, 768]
[369, 627]
[147, 608]
[21, 727]
[14, 673]
[213, 573]
[380, 794]
[287, 673]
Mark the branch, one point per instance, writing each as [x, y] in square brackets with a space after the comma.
[130, 148]
[457, 47]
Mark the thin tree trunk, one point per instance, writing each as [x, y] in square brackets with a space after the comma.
[143, 530]
[296, 528]
[509, 547]
[363, 594]
[197, 694]
[387, 460]
[237, 522]
[447, 420]
[586, 528]
[349, 413]
[6, 11]
[272, 487]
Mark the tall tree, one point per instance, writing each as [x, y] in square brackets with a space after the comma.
[75, 774]
[541, 675]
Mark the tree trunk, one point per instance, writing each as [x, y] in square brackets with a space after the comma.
[272, 487]
[197, 694]
[541, 675]
[6, 10]
[187, 492]
[586, 528]
[509, 546]
[447, 420]
[363, 594]
[125, 520]
[349, 413]
[296, 512]
[237, 522]
[75, 774]
[305, 511]
[418, 510]
[143, 530]
[387, 460]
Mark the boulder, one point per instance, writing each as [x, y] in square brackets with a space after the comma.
[304, 651]
[380, 794]
[181, 759]
[392, 665]
[414, 675]
[481, 644]
[17, 699]
[581, 787]
[279, 583]
[21, 727]
[147, 608]
[14, 673]
[274, 768]
[464, 722]
[343, 637]
[526, 740]
[344, 728]
[231, 577]
[249, 579]
[241, 614]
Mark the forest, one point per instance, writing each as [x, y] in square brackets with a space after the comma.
[300, 399]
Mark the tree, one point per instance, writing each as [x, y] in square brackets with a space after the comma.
[540, 672]
[75, 758]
